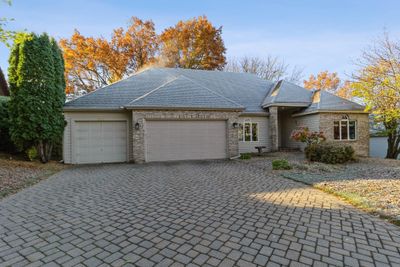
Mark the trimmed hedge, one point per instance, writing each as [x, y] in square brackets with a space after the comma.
[329, 152]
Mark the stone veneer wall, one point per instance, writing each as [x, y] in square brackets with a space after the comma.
[274, 128]
[141, 116]
[361, 144]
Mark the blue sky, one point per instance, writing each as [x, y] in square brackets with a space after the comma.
[316, 35]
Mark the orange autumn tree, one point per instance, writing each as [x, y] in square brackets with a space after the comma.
[91, 62]
[323, 81]
[329, 81]
[193, 44]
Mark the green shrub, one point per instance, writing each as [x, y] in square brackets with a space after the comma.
[331, 153]
[31, 153]
[281, 164]
[245, 156]
[6, 144]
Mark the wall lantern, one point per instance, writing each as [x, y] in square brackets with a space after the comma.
[235, 125]
[137, 126]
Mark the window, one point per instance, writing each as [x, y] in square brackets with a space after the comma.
[344, 130]
[248, 132]
[240, 133]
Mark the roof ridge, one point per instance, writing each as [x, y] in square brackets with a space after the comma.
[212, 91]
[108, 85]
[154, 90]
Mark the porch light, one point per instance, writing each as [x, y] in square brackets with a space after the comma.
[137, 126]
[235, 125]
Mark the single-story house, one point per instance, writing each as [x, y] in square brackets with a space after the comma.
[163, 114]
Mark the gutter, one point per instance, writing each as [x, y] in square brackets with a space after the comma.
[91, 109]
[330, 111]
[182, 108]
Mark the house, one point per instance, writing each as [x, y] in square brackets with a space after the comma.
[163, 114]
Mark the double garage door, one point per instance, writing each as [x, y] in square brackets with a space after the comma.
[185, 140]
[106, 141]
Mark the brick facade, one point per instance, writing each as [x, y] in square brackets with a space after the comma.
[141, 116]
[361, 144]
[323, 121]
[274, 128]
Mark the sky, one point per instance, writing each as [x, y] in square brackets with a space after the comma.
[315, 35]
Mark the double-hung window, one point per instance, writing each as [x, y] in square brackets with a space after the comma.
[248, 132]
[344, 130]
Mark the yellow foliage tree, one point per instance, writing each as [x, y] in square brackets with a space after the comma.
[91, 62]
[193, 44]
[377, 83]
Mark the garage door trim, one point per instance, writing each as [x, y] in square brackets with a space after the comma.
[225, 134]
[73, 136]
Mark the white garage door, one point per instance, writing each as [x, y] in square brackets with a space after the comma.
[100, 141]
[184, 140]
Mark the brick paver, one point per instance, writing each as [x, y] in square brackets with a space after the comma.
[216, 213]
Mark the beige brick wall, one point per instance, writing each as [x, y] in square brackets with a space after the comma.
[324, 122]
[141, 116]
[274, 128]
[361, 144]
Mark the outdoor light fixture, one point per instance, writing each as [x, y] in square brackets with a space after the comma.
[137, 126]
[235, 125]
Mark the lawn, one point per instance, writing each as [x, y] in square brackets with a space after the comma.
[371, 184]
[16, 173]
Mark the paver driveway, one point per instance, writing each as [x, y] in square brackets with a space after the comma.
[219, 213]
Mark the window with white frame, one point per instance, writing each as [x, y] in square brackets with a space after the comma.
[248, 132]
[344, 130]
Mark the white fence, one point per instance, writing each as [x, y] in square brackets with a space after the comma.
[378, 147]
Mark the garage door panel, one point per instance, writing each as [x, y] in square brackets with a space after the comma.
[182, 140]
[100, 141]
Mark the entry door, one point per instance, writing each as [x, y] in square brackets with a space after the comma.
[100, 141]
[185, 140]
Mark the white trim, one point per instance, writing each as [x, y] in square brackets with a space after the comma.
[348, 130]
[330, 111]
[251, 131]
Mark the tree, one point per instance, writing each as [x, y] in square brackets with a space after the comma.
[377, 83]
[329, 81]
[324, 81]
[270, 68]
[36, 77]
[6, 35]
[193, 44]
[91, 62]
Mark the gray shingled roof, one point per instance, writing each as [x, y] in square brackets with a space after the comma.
[183, 92]
[175, 87]
[186, 88]
[328, 101]
[286, 93]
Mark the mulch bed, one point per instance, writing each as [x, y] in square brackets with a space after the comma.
[16, 174]
[370, 183]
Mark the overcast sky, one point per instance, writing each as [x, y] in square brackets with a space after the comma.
[316, 35]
